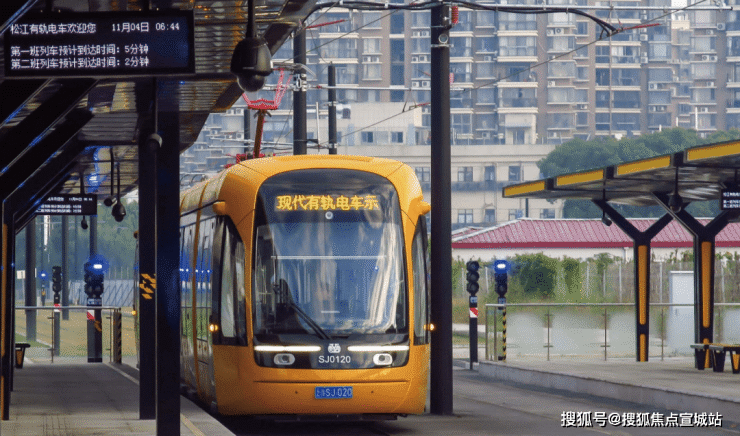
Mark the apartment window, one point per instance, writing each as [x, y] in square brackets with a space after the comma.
[561, 69]
[465, 216]
[367, 137]
[397, 137]
[515, 173]
[515, 214]
[547, 213]
[397, 25]
[461, 123]
[465, 174]
[371, 46]
[372, 71]
[461, 46]
[489, 174]
[424, 174]
[338, 48]
[582, 73]
[421, 19]
[518, 136]
[490, 216]
[371, 20]
[560, 95]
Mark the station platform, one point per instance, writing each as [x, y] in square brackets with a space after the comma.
[89, 399]
[669, 384]
[102, 399]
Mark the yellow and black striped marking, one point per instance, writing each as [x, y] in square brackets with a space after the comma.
[504, 334]
[147, 285]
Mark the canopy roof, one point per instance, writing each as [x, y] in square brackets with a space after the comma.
[699, 172]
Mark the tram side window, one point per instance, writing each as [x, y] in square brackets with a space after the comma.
[232, 299]
[204, 277]
[421, 288]
[186, 276]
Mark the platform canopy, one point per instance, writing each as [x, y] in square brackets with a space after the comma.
[707, 172]
[106, 116]
[700, 173]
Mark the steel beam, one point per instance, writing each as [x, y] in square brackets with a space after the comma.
[147, 270]
[33, 127]
[168, 276]
[641, 246]
[34, 158]
[16, 93]
[11, 11]
[299, 95]
[441, 242]
[704, 246]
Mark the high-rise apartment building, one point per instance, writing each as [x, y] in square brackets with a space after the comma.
[521, 84]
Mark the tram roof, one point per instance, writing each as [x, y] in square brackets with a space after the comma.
[702, 173]
[120, 106]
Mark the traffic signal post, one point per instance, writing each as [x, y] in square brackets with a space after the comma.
[56, 287]
[501, 275]
[94, 289]
[473, 276]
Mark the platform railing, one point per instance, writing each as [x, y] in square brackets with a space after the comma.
[597, 330]
[68, 341]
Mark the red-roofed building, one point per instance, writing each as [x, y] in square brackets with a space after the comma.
[580, 239]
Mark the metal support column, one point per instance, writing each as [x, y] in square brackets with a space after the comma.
[94, 324]
[703, 271]
[332, 109]
[65, 266]
[147, 271]
[31, 280]
[441, 254]
[168, 276]
[8, 304]
[299, 95]
[641, 248]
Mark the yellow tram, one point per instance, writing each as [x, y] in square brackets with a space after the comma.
[304, 288]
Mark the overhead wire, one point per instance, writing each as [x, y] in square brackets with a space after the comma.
[608, 30]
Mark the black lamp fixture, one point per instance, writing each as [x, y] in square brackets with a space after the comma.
[83, 223]
[252, 60]
[119, 210]
[109, 199]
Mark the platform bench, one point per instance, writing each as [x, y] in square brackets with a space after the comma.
[714, 354]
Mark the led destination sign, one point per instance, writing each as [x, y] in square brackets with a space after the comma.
[100, 44]
[69, 204]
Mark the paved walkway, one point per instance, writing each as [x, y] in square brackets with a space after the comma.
[83, 399]
[102, 399]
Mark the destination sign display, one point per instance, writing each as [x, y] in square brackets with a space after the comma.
[730, 199]
[100, 44]
[326, 202]
[69, 204]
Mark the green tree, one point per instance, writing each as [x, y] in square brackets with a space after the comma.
[579, 155]
[571, 274]
[536, 274]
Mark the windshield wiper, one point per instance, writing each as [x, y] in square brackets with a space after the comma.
[316, 328]
[283, 295]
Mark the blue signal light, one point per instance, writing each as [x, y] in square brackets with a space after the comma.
[501, 266]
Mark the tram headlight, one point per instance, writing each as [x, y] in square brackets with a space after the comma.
[284, 359]
[382, 359]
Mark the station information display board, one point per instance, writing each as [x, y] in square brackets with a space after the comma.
[100, 44]
[69, 204]
[730, 199]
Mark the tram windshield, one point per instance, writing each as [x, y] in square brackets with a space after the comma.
[328, 256]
